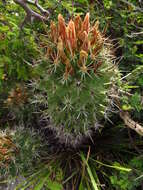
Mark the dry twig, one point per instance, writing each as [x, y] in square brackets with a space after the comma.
[126, 116]
[130, 123]
[30, 14]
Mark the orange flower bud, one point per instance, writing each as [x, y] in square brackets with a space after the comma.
[61, 27]
[93, 38]
[78, 23]
[86, 43]
[53, 31]
[82, 58]
[71, 36]
[96, 39]
[60, 51]
[60, 46]
[86, 24]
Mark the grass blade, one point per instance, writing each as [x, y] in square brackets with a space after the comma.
[90, 173]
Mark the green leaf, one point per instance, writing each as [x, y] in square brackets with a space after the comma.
[115, 166]
[53, 185]
[136, 101]
[41, 182]
[93, 182]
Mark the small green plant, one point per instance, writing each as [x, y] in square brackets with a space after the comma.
[45, 176]
[131, 180]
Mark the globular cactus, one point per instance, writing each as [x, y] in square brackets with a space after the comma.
[7, 150]
[18, 148]
[78, 75]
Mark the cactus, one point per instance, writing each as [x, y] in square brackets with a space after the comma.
[18, 148]
[77, 77]
[7, 150]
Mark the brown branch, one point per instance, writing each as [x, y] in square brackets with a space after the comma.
[41, 9]
[130, 123]
[30, 14]
[125, 115]
[132, 5]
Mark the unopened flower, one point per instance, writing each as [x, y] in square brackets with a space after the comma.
[86, 42]
[60, 46]
[86, 24]
[82, 58]
[94, 34]
[78, 24]
[71, 36]
[61, 27]
[54, 31]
